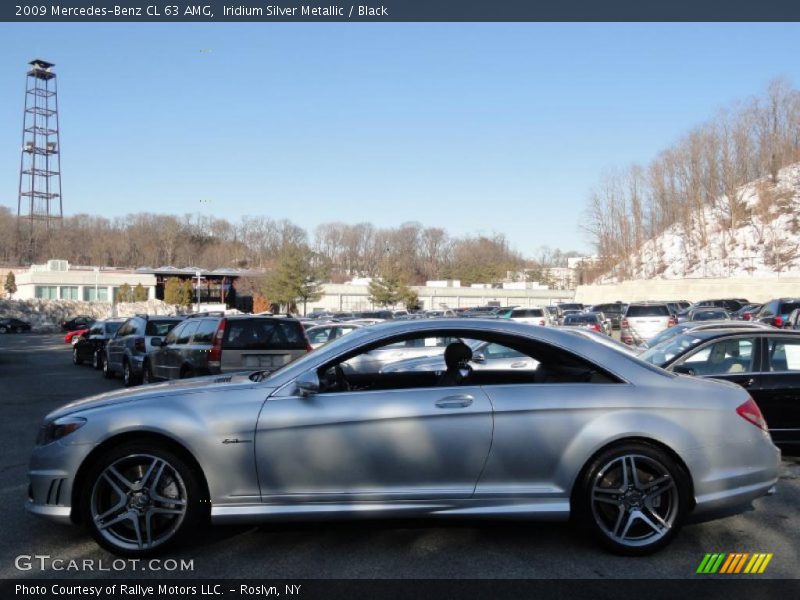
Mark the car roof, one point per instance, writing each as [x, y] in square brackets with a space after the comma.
[708, 334]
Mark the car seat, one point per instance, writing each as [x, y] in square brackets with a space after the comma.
[456, 356]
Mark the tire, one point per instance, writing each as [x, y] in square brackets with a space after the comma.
[3, 329]
[129, 378]
[76, 360]
[96, 364]
[107, 372]
[633, 498]
[136, 484]
[187, 372]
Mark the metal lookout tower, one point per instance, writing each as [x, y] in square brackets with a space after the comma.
[39, 206]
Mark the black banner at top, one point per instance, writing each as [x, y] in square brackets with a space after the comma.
[168, 11]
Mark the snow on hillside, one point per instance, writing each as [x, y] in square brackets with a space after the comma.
[765, 244]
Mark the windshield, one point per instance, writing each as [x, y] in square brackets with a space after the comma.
[663, 353]
[667, 334]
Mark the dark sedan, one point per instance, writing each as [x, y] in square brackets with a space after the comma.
[79, 322]
[12, 325]
[91, 345]
[764, 362]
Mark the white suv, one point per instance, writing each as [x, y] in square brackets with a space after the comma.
[643, 320]
[533, 315]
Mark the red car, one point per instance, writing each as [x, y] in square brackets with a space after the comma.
[72, 336]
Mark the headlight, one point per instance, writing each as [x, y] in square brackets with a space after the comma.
[58, 428]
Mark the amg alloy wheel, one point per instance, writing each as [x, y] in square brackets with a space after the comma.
[141, 500]
[635, 498]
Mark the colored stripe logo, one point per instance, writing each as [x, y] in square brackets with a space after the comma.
[733, 563]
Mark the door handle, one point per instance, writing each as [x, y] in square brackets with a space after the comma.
[519, 364]
[457, 401]
[745, 382]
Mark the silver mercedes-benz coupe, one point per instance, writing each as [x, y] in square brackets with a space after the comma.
[623, 447]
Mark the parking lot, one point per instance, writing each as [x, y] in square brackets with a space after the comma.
[37, 375]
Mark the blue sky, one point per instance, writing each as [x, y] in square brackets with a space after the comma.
[478, 128]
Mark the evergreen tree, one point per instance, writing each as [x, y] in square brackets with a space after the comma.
[296, 278]
[11, 284]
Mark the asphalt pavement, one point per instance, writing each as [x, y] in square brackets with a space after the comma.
[37, 375]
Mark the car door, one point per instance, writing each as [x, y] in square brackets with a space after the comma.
[159, 359]
[391, 444]
[115, 346]
[778, 395]
[732, 358]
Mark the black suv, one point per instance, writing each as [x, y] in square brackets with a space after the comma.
[612, 311]
[79, 322]
[91, 345]
[208, 345]
[126, 351]
[776, 312]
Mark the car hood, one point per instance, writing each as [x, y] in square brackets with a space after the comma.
[164, 390]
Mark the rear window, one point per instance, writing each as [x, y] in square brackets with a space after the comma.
[527, 312]
[205, 331]
[655, 310]
[264, 334]
[159, 328]
[788, 307]
[608, 308]
[575, 319]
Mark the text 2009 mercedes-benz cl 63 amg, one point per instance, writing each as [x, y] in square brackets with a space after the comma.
[590, 432]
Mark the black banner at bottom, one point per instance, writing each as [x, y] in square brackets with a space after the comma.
[419, 589]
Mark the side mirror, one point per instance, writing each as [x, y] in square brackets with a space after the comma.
[156, 342]
[308, 383]
[478, 357]
[683, 370]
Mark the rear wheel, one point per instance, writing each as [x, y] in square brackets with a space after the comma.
[128, 376]
[633, 498]
[141, 498]
[187, 372]
[3, 329]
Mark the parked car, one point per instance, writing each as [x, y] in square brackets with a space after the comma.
[532, 316]
[776, 312]
[708, 314]
[90, 346]
[436, 314]
[79, 322]
[793, 322]
[614, 311]
[644, 320]
[628, 450]
[126, 351]
[12, 325]
[765, 362]
[213, 345]
[729, 304]
[72, 337]
[680, 328]
[594, 321]
[322, 334]
[746, 312]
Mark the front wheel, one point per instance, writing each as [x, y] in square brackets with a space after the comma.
[76, 359]
[128, 376]
[141, 498]
[3, 329]
[633, 498]
[147, 373]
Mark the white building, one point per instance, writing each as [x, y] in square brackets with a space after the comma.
[58, 280]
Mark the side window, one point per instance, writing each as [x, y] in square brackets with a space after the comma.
[172, 336]
[205, 332]
[768, 310]
[496, 351]
[187, 331]
[319, 336]
[723, 357]
[783, 355]
[124, 330]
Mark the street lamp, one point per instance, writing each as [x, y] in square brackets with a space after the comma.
[96, 277]
[198, 274]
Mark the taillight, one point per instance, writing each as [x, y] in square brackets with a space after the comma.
[596, 327]
[541, 322]
[672, 322]
[778, 322]
[747, 316]
[138, 345]
[624, 323]
[749, 411]
[215, 354]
